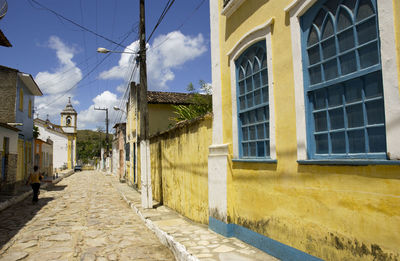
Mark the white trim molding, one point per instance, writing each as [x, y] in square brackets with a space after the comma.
[258, 33]
[231, 7]
[389, 74]
[218, 155]
[216, 73]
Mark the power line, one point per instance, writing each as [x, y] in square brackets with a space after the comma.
[62, 74]
[84, 77]
[181, 25]
[164, 12]
[78, 25]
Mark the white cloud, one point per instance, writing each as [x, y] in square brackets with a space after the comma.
[125, 63]
[121, 88]
[90, 117]
[56, 83]
[168, 52]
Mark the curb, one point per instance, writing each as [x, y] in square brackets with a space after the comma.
[23, 196]
[15, 200]
[177, 248]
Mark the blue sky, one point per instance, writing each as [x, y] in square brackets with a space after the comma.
[59, 55]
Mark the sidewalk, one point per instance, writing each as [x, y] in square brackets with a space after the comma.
[186, 239]
[25, 191]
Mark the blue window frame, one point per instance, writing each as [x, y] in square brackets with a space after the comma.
[253, 102]
[343, 80]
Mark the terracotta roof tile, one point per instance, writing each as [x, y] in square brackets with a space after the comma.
[169, 97]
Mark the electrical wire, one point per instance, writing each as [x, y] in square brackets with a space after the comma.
[84, 77]
[78, 25]
[164, 12]
[181, 25]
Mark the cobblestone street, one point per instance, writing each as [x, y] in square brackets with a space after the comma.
[80, 218]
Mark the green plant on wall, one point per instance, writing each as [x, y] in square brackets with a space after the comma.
[201, 103]
[35, 132]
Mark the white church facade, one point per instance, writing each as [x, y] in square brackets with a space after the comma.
[63, 137]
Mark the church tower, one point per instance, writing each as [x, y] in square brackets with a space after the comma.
[69, 124]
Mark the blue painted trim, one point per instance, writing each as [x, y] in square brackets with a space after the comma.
[227, 230]
[264, 86]
[349, 162]
[271, 161]
[266, 244]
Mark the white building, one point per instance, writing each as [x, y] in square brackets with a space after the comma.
[63, 137]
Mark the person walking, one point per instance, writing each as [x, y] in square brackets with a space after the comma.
[34, 180]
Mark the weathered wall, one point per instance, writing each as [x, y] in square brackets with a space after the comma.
[160, 117]
[332, 212]
[179, 168]
[8, 92]
[8, 181]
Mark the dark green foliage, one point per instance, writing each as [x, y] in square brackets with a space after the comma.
[89, 144]
[201, 103]
[35, 132]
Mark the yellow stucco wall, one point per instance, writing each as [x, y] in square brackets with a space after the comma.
[160, 117]
[159, 120]
[179, 168]
[335, 213]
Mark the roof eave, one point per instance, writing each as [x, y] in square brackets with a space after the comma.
[30, 83]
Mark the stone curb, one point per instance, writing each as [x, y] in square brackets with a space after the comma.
[19, 198]
[179, 250]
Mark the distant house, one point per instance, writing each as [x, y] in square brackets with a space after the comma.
[17, 100]
[43, 156]
[161, 113]
[63, 137]
[119, 154]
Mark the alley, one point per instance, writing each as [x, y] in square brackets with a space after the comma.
[80, 218]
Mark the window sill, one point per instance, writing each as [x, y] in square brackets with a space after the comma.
[270, 161]
[349, 162]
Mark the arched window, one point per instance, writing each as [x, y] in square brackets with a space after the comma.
[68, 120]
[21, 99]
[343, 80]
[253, 103]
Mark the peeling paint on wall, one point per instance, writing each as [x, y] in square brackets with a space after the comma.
[180, 170]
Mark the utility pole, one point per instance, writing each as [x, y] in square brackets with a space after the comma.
[147, 198]
[107, 143]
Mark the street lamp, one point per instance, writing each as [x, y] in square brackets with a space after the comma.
[104, 50]
[116, 108]
[143, 113]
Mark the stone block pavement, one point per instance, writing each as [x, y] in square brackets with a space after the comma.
[186, 239]
[24, 191]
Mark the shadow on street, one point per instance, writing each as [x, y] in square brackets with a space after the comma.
[14, 218]
[55, 188]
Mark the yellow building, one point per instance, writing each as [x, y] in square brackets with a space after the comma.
[305, 156]
[161, 113]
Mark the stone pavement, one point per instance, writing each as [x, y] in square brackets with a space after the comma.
[25, 191]
[188, 240]
[80, 218]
